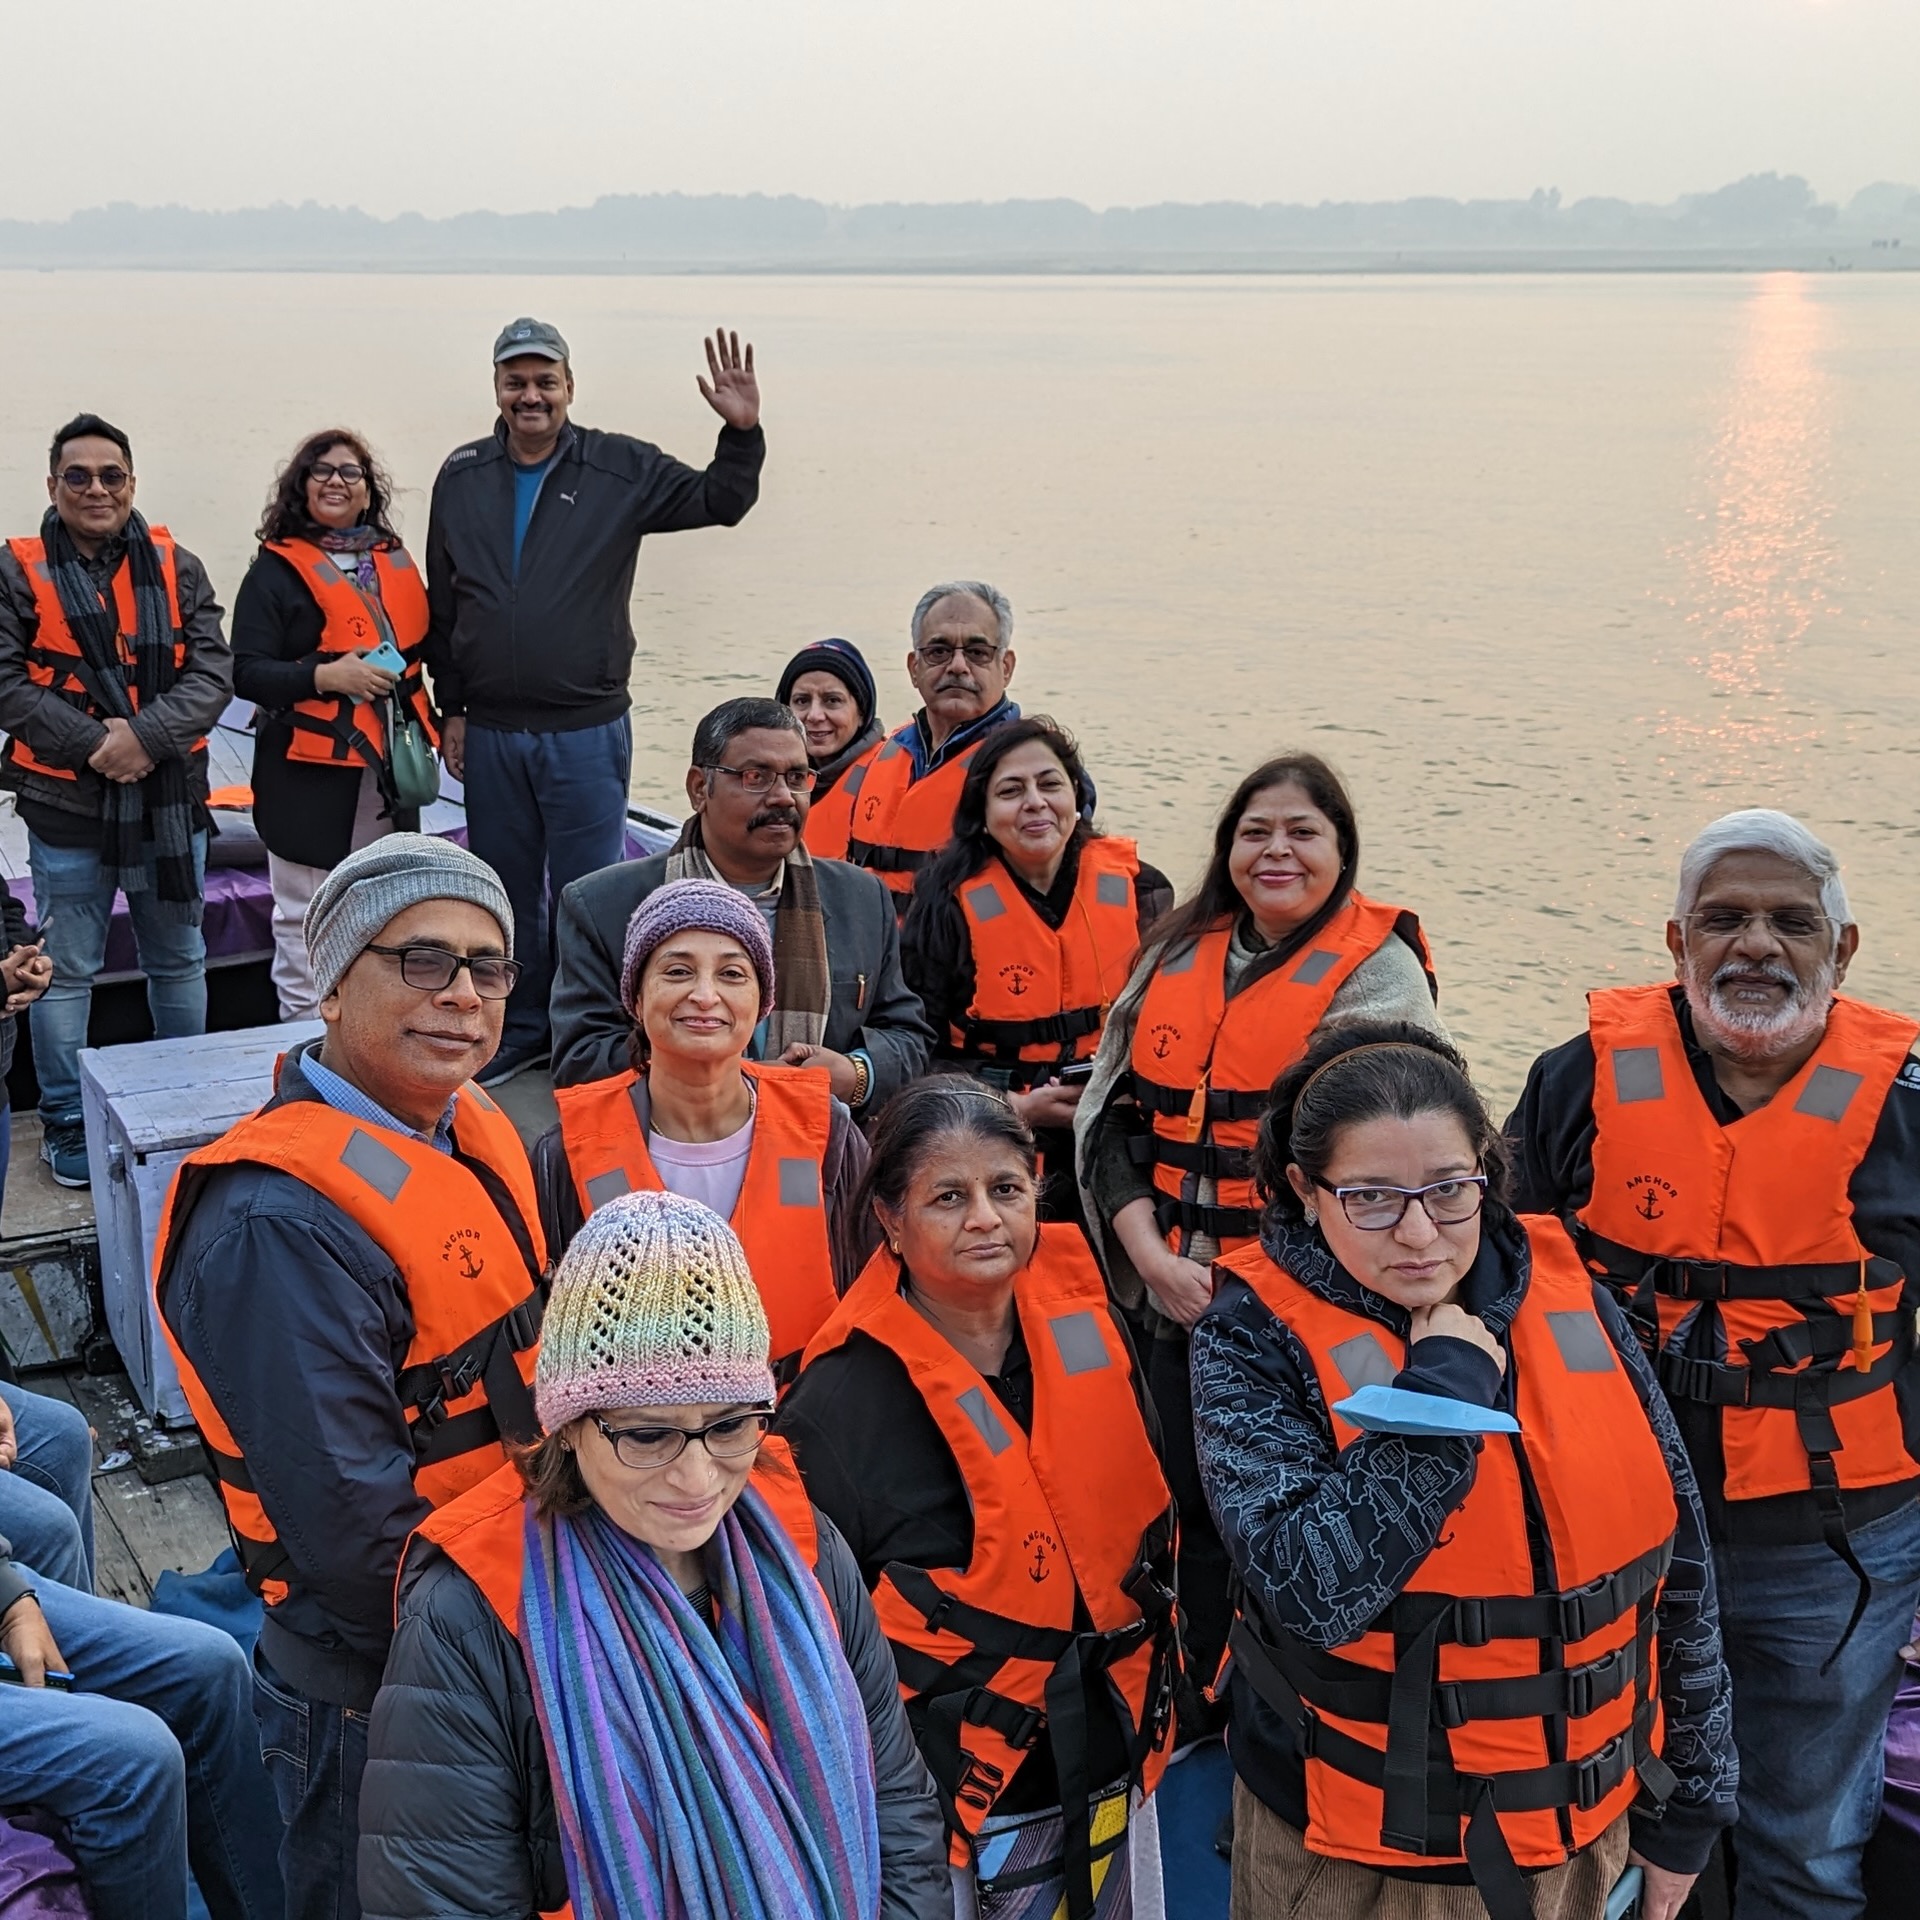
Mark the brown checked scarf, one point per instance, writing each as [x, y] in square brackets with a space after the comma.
[802, 984]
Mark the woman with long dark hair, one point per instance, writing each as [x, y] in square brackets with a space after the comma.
[1227, 991]
[971, 1421]
[1478, 1663]
[330, 584]
[1022, 932]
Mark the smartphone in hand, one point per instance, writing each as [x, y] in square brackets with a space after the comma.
[386, 656]
[10, 1677]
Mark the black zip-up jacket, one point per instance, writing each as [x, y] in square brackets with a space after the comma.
[549, 650]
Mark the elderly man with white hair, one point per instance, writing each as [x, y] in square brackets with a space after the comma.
[1738, 1153]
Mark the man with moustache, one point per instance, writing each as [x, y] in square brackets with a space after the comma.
[840, 999]
[531, 552]
[1738, 1155]
[902, 796]
[351, 1282]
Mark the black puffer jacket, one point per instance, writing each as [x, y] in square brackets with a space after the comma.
[456, 1807]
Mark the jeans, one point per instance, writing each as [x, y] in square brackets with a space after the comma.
[1811, 1743]
[46, 1502]
[543, 809]
[69, 887]
[315, 1754]
[153, 1767]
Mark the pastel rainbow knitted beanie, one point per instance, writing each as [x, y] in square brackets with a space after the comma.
[652, 1306]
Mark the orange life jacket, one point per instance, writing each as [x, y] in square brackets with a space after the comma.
[899, 823]
[331, 730]
[1487, 1715]
[484, 1534]
[830, 818]
[464, 1231]
[781, 1215]
[1734, 1247]
[1075, 1514]
[1041, 993]
[1204, 1065]
[54, 655]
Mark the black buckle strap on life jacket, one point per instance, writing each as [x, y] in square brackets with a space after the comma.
[1814, 1346]
[489, 1357]
[863, 853]
[260, 1560]
[1009, 1036]
[1680, 1279]
[1824, 1478]
[1198, 1156]
[1194, 1216]
[1223, 1103]
[1568, 1616]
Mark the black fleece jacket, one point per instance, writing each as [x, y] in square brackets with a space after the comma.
[548, 648]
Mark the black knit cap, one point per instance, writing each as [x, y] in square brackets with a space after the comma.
[844, 661]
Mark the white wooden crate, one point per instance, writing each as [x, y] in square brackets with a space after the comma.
[147, 1107]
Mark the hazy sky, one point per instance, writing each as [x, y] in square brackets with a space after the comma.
[440, 105]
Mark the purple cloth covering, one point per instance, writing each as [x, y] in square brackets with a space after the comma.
[1903, 1751]
[38, 1880]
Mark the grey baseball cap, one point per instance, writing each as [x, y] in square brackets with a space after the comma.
[527, 335]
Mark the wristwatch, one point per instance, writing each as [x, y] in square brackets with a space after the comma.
[862, 1078]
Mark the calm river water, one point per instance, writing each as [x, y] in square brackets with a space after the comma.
[1554, 568]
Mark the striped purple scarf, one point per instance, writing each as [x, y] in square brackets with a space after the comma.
[699, 1773]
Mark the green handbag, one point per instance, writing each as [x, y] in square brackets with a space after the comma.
[411, 763]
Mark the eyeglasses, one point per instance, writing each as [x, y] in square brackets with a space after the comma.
[939, 653]
[765, 779]
[1447, 1203]
[348, 470]
[729, 1439]
[1798, 926]
[80, 480]
[434, 969]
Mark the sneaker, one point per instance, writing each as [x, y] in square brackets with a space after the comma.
[509, 1061]
[64, 1149]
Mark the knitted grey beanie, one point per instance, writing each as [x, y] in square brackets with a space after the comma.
[398, 871]
[652, 1306]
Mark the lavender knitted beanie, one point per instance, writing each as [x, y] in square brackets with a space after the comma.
[706, 906]
[652, 1306]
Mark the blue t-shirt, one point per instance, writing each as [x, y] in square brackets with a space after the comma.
[526, 490]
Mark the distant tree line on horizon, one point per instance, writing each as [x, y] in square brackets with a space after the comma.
[1766, 215]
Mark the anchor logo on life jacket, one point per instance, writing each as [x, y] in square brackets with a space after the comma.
[1018, 978]
[461, 1249]
[1647, 1203]
[1041, 1548]
[357, 626]
[1164, 1040]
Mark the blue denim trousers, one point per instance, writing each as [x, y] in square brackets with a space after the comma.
[151, 1762]
[1812, 1743]
[543, 809]
[70, 887]
[46, 1501]
[315, 1755]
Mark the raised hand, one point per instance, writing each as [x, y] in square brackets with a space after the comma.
[734, 393]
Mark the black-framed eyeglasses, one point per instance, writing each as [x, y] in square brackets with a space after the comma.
[1797, 926]
[1447, 1203]
[939, 653]
[765, 779]
[434, 969]
[79, 481]
[726, 1439]
[351, 471]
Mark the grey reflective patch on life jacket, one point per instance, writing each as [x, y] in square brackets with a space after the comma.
[385, 1171]
[1364, 1362]
[984, 901]
[856, 779]
[1182, 960]
[1583, 1342]
[1828, 1093]
[1077, 1338]
[1110, 890]
[1637, 1075]
[892, 749]
[607, 1186]
[1315, 967]
[799, 1182]
[973, 1403]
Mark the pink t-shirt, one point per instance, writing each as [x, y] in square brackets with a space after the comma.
[710, 1171]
